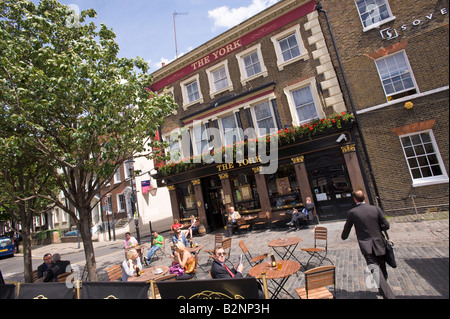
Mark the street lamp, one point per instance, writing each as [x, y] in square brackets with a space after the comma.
[130, 166]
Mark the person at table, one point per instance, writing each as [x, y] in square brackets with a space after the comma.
[183, 262]
[45, 266]
[193, 227]
[179, 236]
[304, 214]
[176, 225]
[158, 241]
[59, 267]
[131, 264]
[129, 241]
[233, 216]
[219, 269]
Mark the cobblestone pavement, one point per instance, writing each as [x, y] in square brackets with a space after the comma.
[421, 247]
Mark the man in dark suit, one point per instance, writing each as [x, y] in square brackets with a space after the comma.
[59, 267]
[369, 222]
[219, 269]
[46, 266]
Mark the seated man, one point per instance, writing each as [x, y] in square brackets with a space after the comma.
[46, 266]
[220, 270]
[304, 214]
[60, 267]
[158, 241]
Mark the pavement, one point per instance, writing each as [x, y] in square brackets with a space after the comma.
[421, 248]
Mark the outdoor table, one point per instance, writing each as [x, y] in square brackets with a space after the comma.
[285, 247]
[278, 276]
[149, 274]
[194, 250]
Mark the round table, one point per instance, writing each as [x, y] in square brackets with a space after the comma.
[288, 268]
[285, 247]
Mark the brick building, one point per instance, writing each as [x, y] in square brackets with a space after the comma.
[395, 55]
[272, 71]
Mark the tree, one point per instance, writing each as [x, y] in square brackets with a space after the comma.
[78, 107]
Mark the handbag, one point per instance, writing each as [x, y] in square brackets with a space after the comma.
[389, 256]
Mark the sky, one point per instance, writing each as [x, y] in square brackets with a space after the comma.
[145, 28]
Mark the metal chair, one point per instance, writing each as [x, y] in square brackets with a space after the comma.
[320, 239]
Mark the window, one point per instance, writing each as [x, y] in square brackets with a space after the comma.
[121, 202]
[289, 47]
[423, 158]
[219, 79]
[230, 130]
[396, 76]
[374, 13]
[264, 118]
[200, 138]
[117, 176]
[174, 149]
[190, 90]
[251, 64]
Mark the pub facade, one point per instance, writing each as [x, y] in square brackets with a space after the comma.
[261, 124]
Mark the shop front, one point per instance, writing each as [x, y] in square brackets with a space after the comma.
[320, 168]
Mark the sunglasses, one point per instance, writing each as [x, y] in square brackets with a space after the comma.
[220, 254]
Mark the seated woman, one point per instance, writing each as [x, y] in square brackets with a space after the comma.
[176, 224]
[131, 265]
[184, 263]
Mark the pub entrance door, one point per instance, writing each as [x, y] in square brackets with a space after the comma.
[213, 203]
[331, 186]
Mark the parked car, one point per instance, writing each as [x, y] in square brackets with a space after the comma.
[6, 246]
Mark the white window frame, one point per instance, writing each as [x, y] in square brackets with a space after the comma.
[280, 36]
[253, 114]
[392, 96]
[166, 138]
[379, 23]
[425, 181]
[311, 82]
[117, 177]
[212, 88]
[184, 84]
[240, 58]
[196, 125]
[222, 133]
[119, 203]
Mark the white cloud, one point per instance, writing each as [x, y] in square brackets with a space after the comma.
[224, 17]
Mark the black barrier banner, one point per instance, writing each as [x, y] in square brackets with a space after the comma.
[46, 290]
[238, 288]
[7, 291]
[114, 290]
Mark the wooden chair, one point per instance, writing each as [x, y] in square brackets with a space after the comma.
[114, 272]
[316, 282]
[320, 235]
[262, 222]
[34, 275]
[242, 225]
[63, 277]
[154, 285]
[253, 261]
[226, 244]
[218, 238]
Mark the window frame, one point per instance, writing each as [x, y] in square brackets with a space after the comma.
[379, 23]
[242, 68]
[276, 43]
[210, 73]
[253, 113]
[311, 82]
[222, 132]
[425, 181]
[398, 94]
[184, 85]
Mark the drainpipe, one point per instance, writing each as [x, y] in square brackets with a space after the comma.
[358, 126]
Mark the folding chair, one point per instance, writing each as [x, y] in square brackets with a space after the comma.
[226, 244]
[162, 251]
[218, 238]
[320, 235]
[114, 272]
[316, 282]
[242, 224]
[253, 261]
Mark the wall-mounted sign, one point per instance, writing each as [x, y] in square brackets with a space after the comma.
[392, 33]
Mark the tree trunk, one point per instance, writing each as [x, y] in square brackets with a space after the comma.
[27, 260]
[84, 227]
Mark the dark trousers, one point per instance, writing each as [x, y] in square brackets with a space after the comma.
[378, 263]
